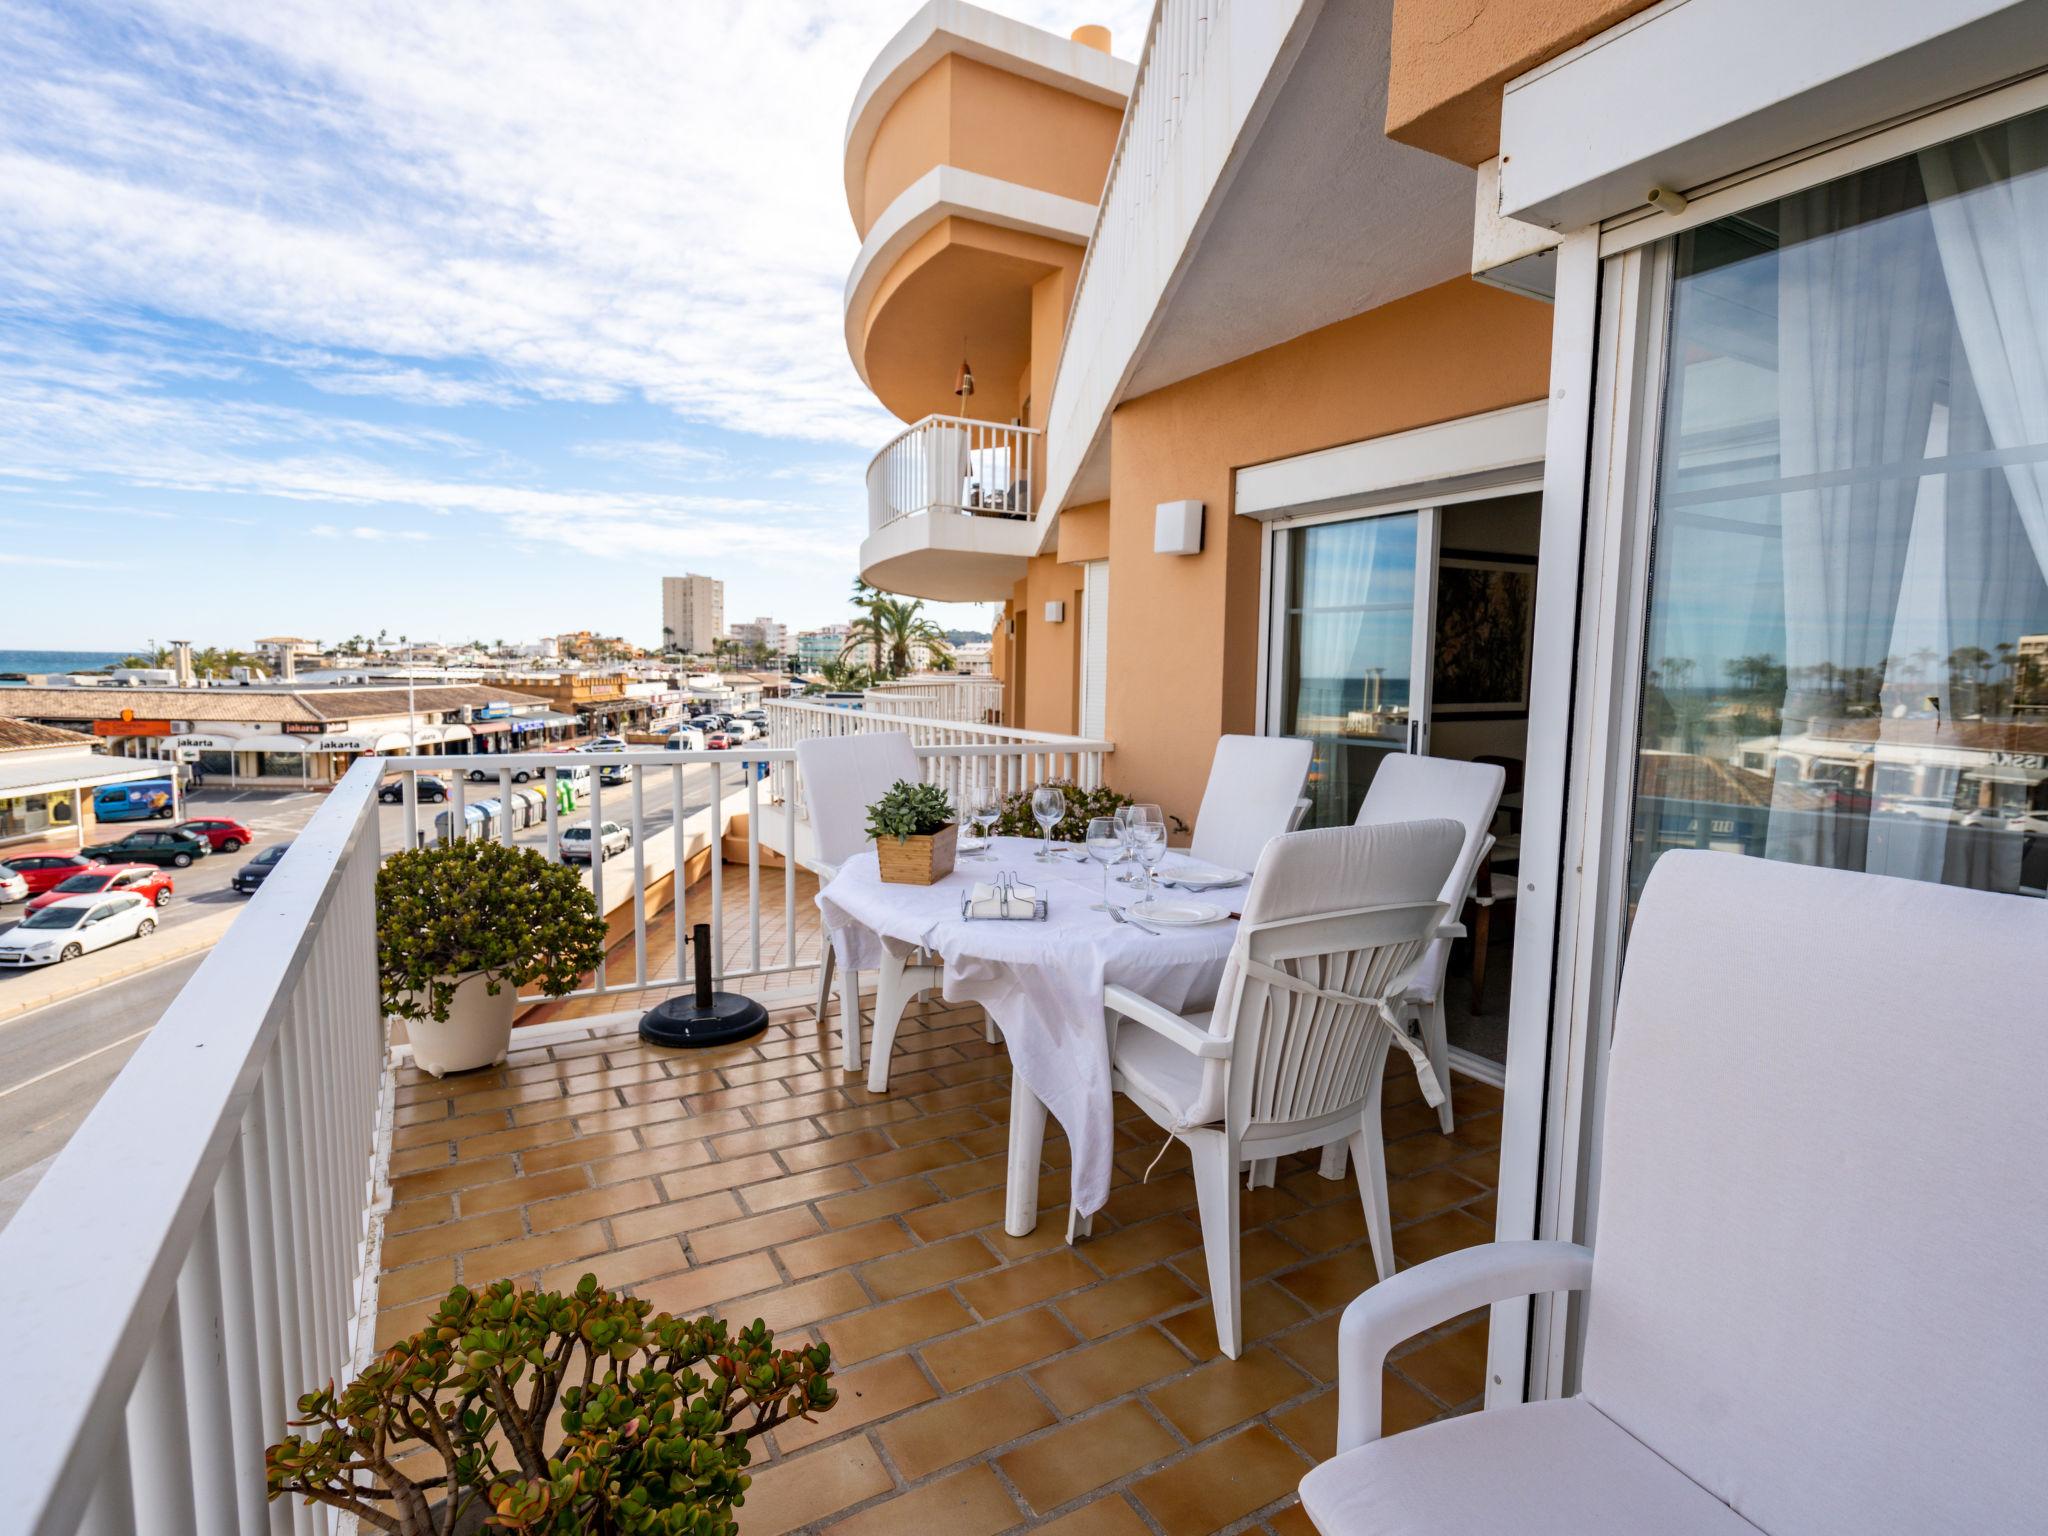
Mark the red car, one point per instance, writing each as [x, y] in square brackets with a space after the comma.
[218, 833]
[44, 868]
[142, 879]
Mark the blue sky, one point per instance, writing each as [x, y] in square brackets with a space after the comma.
[457, 320]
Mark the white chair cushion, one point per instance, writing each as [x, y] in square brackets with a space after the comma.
[1542, 1469]
[1163, 1072]
[1254, 782]
[1820, 1273]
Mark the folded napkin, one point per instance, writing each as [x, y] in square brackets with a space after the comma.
[1009, 900]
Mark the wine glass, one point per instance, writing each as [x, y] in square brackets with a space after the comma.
[1123, 821]
[1146, 832]
[984, 806]
[1048, 805]
[1105, 846]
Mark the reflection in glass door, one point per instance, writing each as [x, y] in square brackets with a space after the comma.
[1353, 649]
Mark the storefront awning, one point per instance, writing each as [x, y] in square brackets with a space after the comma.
[490, 727]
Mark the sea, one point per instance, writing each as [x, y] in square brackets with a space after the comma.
[33, 662]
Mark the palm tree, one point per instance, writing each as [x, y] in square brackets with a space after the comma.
[893, 630]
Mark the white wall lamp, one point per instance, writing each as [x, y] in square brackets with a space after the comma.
[1177, 528]
[1055, 613]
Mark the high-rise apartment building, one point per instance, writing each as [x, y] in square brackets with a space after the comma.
[692, 612]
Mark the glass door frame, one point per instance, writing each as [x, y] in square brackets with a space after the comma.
[1609, 356]
[1279, 536]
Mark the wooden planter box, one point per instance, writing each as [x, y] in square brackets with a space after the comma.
[923, 860]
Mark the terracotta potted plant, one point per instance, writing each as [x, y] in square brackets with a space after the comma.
[915, 833]
[448, 1432]
[460, 928]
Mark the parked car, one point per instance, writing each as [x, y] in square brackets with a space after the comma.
[142, 879]
[76, 926]
[717, 741]
[42, 869]
[177, 849]
[257, 870]
[686, 739]
[222, 835]
[392, 791]
[487, 773]
[576, 840]
[134, 802]
[13, 887]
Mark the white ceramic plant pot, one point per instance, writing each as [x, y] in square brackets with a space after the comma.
[477, 1034]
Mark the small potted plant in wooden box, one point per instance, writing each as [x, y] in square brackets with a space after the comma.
[914, 832]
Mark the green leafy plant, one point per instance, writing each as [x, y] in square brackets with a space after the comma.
[909, 810]
[655, 1419]
[1083, 805]
[452, 908]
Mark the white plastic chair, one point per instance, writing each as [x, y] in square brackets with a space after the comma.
[1815, 1298]
[1404, 789]
[1294, 1052]
[842, 776]
[1254, 785]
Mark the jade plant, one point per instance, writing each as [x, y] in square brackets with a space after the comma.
[909, 810]
[655, 1417]
[450, 909]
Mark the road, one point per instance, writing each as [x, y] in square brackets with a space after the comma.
[56, 1061]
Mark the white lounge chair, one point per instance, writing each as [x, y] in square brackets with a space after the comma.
[1293, 1054]
[1254, 784]
[1817, 1293]
[1403, 789]
[842, 777]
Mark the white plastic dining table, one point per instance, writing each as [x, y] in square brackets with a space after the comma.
[1042, 984]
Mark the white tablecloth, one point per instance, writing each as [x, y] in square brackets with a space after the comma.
[1041, 982]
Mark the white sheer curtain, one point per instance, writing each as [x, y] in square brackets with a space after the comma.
[1862, 341]
[1988, 196]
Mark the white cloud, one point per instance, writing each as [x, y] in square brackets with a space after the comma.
[589, 200]
[373, 535]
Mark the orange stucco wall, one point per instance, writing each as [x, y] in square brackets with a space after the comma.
[1083, 533]
[964, 113]
[1450, 59]
[1183, 658]
[998, 295]
[1045, 691]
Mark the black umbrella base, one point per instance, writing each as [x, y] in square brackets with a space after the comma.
[718, 1018]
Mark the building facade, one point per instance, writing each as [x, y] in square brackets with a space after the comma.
[692, 612]
[1576, 387]
[765, 632]
[815, 647]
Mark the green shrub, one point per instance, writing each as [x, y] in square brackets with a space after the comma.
[452, 908]
[909, 810]
[654, 1427]
[1083, 806]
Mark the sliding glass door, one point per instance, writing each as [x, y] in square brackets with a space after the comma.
[1351, 642]
[1845, 657]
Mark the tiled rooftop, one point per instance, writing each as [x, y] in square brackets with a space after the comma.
[987, 1383]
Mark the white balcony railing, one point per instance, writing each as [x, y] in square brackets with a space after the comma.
[952, 464]
[205, 1248]
[194, 1259]
[956, 754]
[964, 700]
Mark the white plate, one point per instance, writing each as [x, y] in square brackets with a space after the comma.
[1175, 912]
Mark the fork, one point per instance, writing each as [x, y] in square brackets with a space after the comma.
[1118, 915]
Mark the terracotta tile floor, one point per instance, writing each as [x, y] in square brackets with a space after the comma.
[988, 1384]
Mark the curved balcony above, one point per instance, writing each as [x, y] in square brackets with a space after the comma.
[949, 510]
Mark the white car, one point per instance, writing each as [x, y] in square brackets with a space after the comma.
[576, 840]
[12, 886]
[66, 929]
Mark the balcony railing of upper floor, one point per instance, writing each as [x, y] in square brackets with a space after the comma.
[205, 1248]
[966, 700]
[956, 465]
